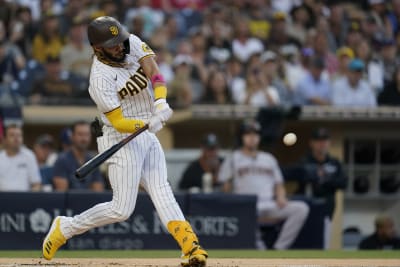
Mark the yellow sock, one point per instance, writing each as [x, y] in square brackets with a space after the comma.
[183, 234]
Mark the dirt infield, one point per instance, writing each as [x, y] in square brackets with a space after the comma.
[12, 262]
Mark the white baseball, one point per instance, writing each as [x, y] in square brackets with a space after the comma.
[289, 139]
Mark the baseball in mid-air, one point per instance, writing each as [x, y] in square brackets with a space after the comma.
[289, 139]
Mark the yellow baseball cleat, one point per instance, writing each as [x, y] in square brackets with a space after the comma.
[54, 240]
[197, 257]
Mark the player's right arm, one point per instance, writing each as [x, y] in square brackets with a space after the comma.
[122, 124]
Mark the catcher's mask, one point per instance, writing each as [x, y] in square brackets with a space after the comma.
[106, 32]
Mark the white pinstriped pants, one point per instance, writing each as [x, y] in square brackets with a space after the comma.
[141, 161]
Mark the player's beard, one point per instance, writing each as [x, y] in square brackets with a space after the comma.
[120, 58]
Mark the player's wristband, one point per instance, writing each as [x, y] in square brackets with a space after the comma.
[160, 92]
[157, 78]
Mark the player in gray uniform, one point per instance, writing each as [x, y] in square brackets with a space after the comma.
[250, 171]
[129, 91]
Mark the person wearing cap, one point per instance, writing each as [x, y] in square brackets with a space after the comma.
[314, 88]
[19, 170]
[76, 55]
[352, 90]
[43, 148]
[180, 88]
[345, 55]
[270, 66]
[55, 86]
[208, 163]
[251, 171]
[384, 236]
[321, 175]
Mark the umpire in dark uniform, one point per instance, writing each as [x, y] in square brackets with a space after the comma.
[322, 175]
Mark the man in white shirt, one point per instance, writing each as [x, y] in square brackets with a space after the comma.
[352, 90]
[19, 170]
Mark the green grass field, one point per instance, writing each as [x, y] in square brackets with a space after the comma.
[304, 254]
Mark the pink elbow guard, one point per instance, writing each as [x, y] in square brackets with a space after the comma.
[157, 78]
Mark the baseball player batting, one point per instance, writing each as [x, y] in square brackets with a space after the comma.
[123, 67]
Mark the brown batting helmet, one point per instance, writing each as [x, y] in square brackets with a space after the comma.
[106, 32]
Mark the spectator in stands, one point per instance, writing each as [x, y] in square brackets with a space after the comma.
[67, 162]
[143, 13]
[76, 55]
[352, 90]
[171, 28]
[65, 139]
[19, 170]
[23, 30]
[181, 88]
[243, 45]
[11, 62]
[291, 64]
[313, 88]
[258, 24]
[259, 92]
[390, 59]
[250, 171]
[217, 91]
[390, 96]
[354, 34]
[297, 29]
[322, 175]
[74, 10]
[48, 41]
[270, 67]
[337, 21]
[236, 81]
[321, 49]
[197, 72]
[43, 148]
[345, 55]
[106, 8]
[384, 236]
[218, 46]
[208, 163]
[378, 11]
[374, 69]
[58, 86]
[279, 32]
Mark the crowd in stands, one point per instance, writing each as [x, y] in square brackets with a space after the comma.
[263, 53]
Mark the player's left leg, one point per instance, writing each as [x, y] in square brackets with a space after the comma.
[154, 180]
[295, 213]
[124, 170]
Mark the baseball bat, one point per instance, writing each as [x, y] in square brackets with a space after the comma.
[92, 164]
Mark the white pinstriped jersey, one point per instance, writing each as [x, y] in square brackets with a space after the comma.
[128, 87]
